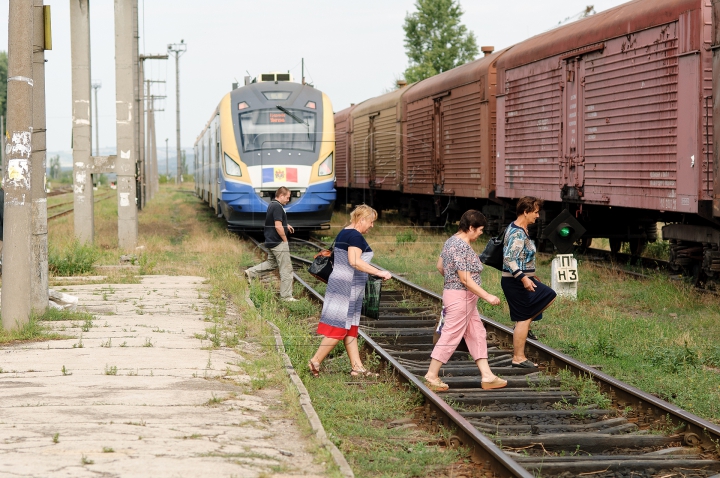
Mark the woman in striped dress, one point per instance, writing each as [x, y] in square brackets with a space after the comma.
[340, 316]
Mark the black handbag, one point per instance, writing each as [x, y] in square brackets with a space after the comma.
[493, 254]
[322, 265]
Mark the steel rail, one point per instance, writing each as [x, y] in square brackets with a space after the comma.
[695, 431]
[698, 430]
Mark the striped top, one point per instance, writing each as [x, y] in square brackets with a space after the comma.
[518, 253]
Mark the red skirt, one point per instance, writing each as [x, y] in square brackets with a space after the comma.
[336, 332]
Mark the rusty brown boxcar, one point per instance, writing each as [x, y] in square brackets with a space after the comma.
[449, 145]
[343, 132]
[375, 152]
[611, 116]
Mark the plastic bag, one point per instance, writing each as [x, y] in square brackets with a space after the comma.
[371, 301]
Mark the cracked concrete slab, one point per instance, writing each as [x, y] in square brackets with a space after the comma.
[140, 393]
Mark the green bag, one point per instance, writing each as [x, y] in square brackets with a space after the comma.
[371, 301]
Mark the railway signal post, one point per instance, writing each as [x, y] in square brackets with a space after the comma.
[16, 302]
[563, 231]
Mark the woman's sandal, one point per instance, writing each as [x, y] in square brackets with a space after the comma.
[314, 368]
[497, 382]
[363, 373]
[524, 364]
[437, 386]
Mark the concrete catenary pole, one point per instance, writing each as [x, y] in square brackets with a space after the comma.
[96, 85]
[125, 85]
[139, 110]
[148, 153]
[177, 49]
[167, 161]
[38, 158]
[16, 302]
[81, 130]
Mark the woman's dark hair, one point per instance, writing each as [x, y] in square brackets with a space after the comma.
[528, 204]
[472, 218]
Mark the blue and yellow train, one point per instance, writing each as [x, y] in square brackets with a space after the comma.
[269, 133]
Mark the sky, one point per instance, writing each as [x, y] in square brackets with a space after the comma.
[353, 51]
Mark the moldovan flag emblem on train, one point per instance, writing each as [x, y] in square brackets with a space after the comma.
[270, 175]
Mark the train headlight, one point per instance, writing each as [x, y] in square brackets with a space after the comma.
[326, 167]
[231, 167]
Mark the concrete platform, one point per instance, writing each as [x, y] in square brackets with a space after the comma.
[142, 396]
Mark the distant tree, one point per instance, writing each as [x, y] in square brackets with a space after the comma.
[3, 84]
[589, 10]
[435, 40]
[55, 167]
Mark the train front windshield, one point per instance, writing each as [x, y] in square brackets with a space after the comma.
[278, 129]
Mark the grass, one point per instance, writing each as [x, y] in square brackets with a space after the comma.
[659, 335]
[354, 412]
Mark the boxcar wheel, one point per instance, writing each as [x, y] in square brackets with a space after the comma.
[615, 245]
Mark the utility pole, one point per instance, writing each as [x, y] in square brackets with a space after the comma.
[167, 161]
[146, 187]
[151, 154]
[178, 49]
[16, 302]
[39, 244]
[83, 204]
[96, 85]
[125, 85]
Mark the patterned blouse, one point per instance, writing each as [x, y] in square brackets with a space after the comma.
[457, 255]
[518, 253]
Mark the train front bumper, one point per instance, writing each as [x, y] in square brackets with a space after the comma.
[244, 209]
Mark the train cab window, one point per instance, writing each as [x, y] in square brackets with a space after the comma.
[277, 95]
[278, 128]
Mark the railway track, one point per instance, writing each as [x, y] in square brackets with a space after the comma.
[63, 210]
[535, 426]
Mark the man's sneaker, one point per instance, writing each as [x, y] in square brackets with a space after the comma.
[249, 276]
[290, 299]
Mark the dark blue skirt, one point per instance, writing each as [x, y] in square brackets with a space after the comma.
[523, 303]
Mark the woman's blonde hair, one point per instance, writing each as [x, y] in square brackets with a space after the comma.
[361, 212]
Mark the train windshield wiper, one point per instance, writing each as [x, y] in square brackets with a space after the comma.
[290, 114]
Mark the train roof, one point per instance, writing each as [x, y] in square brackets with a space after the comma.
[342, 115]
[381, 102]
[458, 76]
[627, 18]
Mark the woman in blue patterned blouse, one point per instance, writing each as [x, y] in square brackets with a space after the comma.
[527, 297]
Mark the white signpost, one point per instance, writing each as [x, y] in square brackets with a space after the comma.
[565, 275]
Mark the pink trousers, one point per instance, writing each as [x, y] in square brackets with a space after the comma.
[461, 320]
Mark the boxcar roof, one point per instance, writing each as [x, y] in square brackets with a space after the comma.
[627, 18]
[458, 76]
[343, 114]
[388, 100]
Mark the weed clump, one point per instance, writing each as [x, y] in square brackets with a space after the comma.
[75, 260]
[406, 236]
[673, 358]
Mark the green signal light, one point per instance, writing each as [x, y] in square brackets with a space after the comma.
[564, 231]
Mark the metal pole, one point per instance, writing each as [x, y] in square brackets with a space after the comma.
[125, 84]
[38, 158]
[178, 49]
[16, 302]
[83, 215]
[96, 85]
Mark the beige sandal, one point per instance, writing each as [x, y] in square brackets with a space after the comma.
[438, 386]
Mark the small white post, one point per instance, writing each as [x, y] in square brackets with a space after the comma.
[565, 275]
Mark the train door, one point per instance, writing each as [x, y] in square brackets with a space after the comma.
[572, 160]
[218, 167]
[372, 150]
[438, 170]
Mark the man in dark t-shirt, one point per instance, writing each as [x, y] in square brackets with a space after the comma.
[276, 232]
